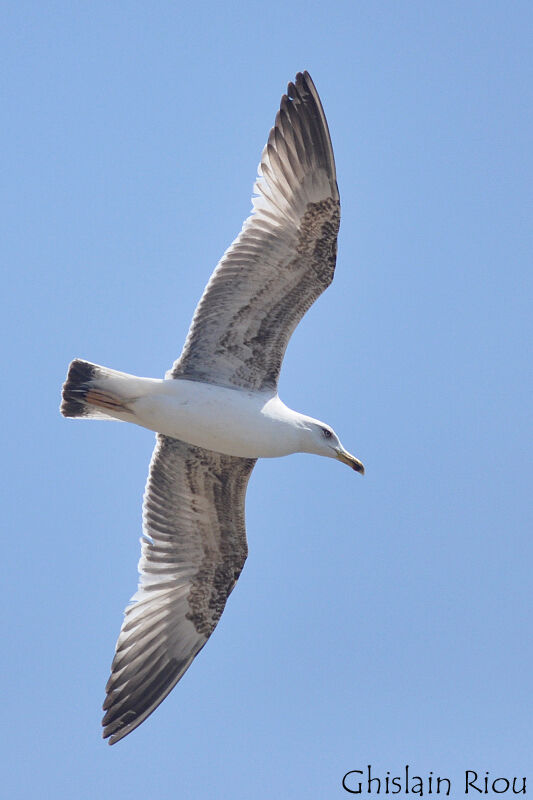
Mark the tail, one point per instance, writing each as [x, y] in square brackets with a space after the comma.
[96, 392]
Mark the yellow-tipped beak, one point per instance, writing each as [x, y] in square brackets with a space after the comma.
[352, 461]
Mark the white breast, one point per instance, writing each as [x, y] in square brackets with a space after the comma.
[231, 421]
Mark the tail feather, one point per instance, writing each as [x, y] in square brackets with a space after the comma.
[86, 393]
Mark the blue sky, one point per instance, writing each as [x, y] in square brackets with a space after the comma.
[384, 620]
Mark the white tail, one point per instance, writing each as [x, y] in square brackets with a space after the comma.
[96, 392]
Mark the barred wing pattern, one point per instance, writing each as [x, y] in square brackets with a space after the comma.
[192, 554]
[282, 260]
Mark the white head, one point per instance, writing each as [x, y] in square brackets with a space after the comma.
[321, 439]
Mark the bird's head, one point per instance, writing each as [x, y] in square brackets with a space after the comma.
[322, 440]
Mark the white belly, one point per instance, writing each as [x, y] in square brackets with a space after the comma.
[235, 422]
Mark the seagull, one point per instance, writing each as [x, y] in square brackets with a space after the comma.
[217, 411]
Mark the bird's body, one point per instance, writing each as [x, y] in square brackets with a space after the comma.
[218, 410]
[244, 423]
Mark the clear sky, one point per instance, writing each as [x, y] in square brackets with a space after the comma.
[383, 620]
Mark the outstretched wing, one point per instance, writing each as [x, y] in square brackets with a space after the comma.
[192, 554]
[282, 260]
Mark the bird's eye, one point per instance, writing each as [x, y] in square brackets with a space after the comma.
[327, 434]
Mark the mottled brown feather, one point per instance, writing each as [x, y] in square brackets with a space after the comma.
[280, 263]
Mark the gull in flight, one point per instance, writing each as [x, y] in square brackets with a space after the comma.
[217, 411]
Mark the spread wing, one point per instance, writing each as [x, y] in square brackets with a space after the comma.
[193, 553]
[282, 260]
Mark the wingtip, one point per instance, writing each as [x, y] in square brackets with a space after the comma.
[111, 739]
[304, 78]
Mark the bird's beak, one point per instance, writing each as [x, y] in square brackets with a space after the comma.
[352, 461]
